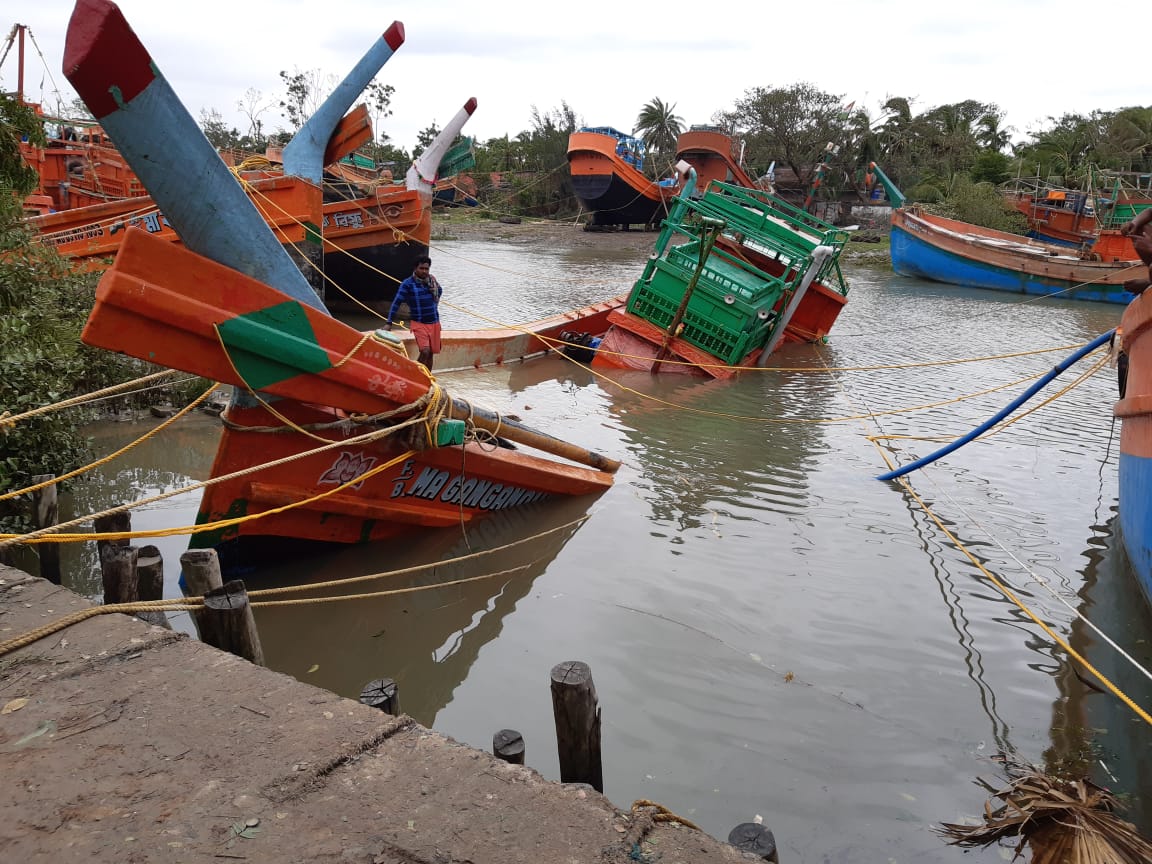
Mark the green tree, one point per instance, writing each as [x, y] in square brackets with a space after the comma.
[981, 204]
[17, 122]
[659, 127]
[379, 107]
[216, 130]
[788, 125]
[991, 134]
[305, 91]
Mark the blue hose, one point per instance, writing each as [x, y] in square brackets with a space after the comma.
[1004, 412]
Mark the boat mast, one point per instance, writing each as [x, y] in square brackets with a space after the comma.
[20, 63]
[16, 33]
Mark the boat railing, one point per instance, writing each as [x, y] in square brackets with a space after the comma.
[758, 212]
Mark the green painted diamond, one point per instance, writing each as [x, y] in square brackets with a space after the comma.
[273, 344]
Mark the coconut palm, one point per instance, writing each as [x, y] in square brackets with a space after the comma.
[991, 134]
[659, 127]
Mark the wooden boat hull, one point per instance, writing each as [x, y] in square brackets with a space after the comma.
[435, 488]
[614, 191]
[956, 253]
[371, 242]
[474, 349]
[632, 343]
[710, 153]
[166, 304]
[1135, 464]
[1052, 222]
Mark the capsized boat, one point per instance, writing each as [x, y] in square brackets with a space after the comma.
[496, 346]
[734, 273]
[331, 435]
[607, 168]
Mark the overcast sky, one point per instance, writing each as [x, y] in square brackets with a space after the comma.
[607, 59]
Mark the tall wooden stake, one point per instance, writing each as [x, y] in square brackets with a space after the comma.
[577, 715]
[118, 572]
[45, 513]
[226, 622]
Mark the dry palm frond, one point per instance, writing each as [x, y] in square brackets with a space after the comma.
[1064, 821]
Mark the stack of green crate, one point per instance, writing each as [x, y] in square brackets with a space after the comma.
[730, 312]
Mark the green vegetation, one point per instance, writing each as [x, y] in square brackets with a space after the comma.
[659, 127]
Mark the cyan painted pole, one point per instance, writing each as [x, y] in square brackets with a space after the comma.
[304, 154]
[1016, 403]
[115, 76]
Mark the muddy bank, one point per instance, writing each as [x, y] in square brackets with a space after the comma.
[572, 235]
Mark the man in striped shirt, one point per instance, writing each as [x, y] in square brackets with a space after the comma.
[422, 293]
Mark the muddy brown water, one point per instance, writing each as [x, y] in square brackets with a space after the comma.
[771, 630]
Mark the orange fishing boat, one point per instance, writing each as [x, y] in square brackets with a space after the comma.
[372, 233]
[496, 346]
[608, 177]
[712, 152]
[79, 165]
[332, 435]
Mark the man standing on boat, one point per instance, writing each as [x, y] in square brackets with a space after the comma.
[422, 293]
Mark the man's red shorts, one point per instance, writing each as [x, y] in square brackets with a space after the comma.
[427, 336]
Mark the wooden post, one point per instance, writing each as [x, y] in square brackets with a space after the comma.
[118, 572]
[508, 744]
[150, 584]
[383, 693]
[201, 571]
[115, 523]
[226, 622]
[755, 838]
[45, 512]
[577, 717]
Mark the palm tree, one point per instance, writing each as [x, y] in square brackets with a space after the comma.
[659, 127]
[991, 134]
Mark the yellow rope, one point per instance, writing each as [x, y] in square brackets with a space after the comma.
[103, 461]
[1003, 588]
[57, 537]
[13, 419]
[662, 814]
[559, 342]
[1084, 376]
[189, 604]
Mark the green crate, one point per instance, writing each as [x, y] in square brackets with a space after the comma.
[722, 317]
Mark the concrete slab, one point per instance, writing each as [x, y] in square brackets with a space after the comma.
[137, 744]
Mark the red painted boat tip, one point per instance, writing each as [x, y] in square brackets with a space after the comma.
[470, 106]
[103, 58]
[394, 35]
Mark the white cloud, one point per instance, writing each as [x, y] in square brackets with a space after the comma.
[606, 59]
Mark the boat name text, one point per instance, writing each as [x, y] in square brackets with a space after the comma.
[456, 489]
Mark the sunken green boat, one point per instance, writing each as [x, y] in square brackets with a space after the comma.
[735, 273]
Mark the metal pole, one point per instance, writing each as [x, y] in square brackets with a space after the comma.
[818, 256]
